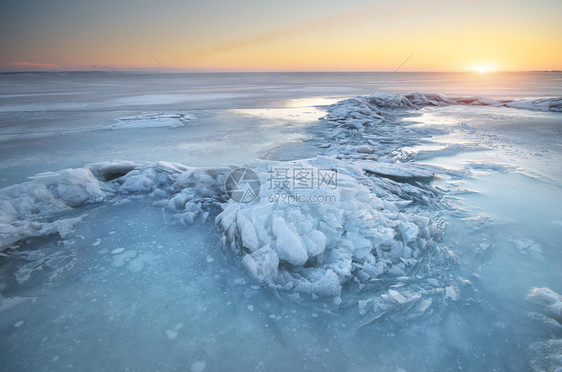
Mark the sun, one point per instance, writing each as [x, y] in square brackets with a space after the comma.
[483, 68]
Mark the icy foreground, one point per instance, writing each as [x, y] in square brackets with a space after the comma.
[288, 284]
[378, 236]
[316, 250]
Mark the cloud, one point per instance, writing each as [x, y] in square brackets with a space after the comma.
[382, 10]
[38, 65]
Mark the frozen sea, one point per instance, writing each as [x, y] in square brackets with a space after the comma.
[436, 248]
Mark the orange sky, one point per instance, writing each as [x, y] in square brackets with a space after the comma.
[248, 35]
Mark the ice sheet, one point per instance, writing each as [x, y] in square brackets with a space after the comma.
[367, 279]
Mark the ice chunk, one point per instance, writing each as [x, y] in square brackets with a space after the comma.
[262, 265]
[328, 284]
[434, 282]
[551, 301]
[398, 170]
[269, 262]
[154, 120]
[452, 293]
[361, 245]
[288, 245]
[247, 233]
[315, 242]
[409, 231]
[527, 245]
[137, 184]
[397, 296]
[26, 208]
[250, 265]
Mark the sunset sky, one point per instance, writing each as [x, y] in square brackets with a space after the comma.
[289, 35]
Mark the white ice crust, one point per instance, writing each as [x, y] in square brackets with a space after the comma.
[315, 250]
[549, 300]
[418, 100]
[151, 120]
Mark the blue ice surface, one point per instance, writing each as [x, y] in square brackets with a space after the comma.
[133, 288]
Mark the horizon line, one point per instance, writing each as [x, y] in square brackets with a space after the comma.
[180, 70]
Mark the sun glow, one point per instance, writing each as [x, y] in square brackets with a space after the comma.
[512, 36]
[482, 69]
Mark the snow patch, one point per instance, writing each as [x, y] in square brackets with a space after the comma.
[151, 120]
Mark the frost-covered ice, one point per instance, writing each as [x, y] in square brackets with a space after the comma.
[311, 249]
[47, 195]
[548, 353]
[397, 169]
[330, 250]
[417, 100]
[527, 245]
[550, 300]
[420, 259]
[151, 121]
